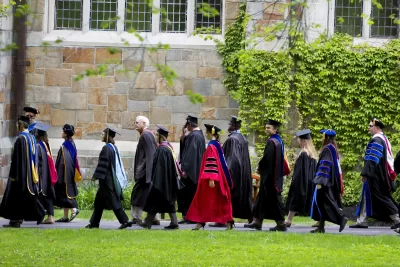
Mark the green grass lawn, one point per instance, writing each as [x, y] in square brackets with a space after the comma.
[67, 247]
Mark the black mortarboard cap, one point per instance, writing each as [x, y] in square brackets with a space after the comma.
[68, 129]
[273, 122]
[234, 120]
[24, 119]
[304, 134]
[212, 128]
[31, 109]
[192, 119]
[42, 126]
[111, 132]
[378, 123]
[162, 130]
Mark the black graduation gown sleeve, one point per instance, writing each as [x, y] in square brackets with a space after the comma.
[300, 192]
[144, 157]
[195, 147]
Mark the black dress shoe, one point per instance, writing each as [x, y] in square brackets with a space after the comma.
[183, 221]
[253, 226]
[125, 225]
[217, 225]
[343, 224]
[358, 226]
[279, 228]
[63, 220]
[12, 225]
[318, 231]
[145, 225]
[89, 226]
[171, 227]
[395, 226]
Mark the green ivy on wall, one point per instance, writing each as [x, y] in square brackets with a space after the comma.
[332, 83]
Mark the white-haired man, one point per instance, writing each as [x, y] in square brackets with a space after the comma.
[145, 151]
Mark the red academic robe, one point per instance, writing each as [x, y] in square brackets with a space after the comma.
[212, 204]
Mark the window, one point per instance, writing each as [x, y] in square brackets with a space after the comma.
[383, 19]
[348, 17]
[138, 15]
[173, 16]
[69, 14]
[203, 20]
[176, 16]
[103, 15]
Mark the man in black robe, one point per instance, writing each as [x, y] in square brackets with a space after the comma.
[143, 169]
[268, 204]
[20, 201]
[192, 154]
[236, 151]
[376, 198]
[109, 195]
[164, 183]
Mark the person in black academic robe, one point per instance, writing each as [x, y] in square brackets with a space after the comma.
[164, 183]
[327, 202]
[268, 203]
[109, 195]
[237, 158]
[376, 197]
[47, 193]
[20, 200]
[301, 188]
[194, 148]
[67, 166]
[31, 113]
[144, 156]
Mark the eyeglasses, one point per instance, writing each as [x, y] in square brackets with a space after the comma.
[369, 126]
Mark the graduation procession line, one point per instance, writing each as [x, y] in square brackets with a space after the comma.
[298, 229]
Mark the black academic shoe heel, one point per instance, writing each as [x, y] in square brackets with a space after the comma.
[202, 226]
[230, 225]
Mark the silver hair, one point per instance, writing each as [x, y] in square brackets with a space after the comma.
[143, 119]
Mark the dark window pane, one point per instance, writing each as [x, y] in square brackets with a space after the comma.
[348, 17]
[205, 18]
[68, 14]
[383, 22]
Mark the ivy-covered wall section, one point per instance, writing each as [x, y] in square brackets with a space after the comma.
[332, 83]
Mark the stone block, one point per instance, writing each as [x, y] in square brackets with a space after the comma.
[34, 79]
[232, 103]
[210, 58]
[145, 80]
[232, 10]
[31, 67]
[93, 130]
[84, 115]
[58, 77]
[103, 56]
[36, 51]
[121, 88]
[178, 118]
[91, 162]
[45, 111]
[142, 94]
[152, 58]
[225, 113]
[184, 69]
[218, 89]
[100, 114]
[1, 96]
[208, 113]
[67, 66]
[202, 86]
[210, 72]
[48, 62]
[129, 119]
[81, 85]
[190, 55]
[215, 102]
[39, 71]
[48, 95]
[183, 104]
[138, 105]
[78, 55]
[74, 100]
[274, 11]
[162, 87]
[114, 117]
[160, 115]
[61, 117]
[127, 135]
[254, 9]
[133, 65]
[97, 96]
[133, 54]
[80, 68]
[37, 6]
[125, 76]
[101, 82]
[117, 102]
[174, 55]
[35, 23]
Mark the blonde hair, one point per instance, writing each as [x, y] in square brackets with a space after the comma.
[307, 146]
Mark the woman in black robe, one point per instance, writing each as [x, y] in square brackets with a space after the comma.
[47, 193]
[164, 183]
[300, 192]
[67, 167]
[327, 202]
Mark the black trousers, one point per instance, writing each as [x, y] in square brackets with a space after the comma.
[186, 195]
[47, 203]
[98, 212]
